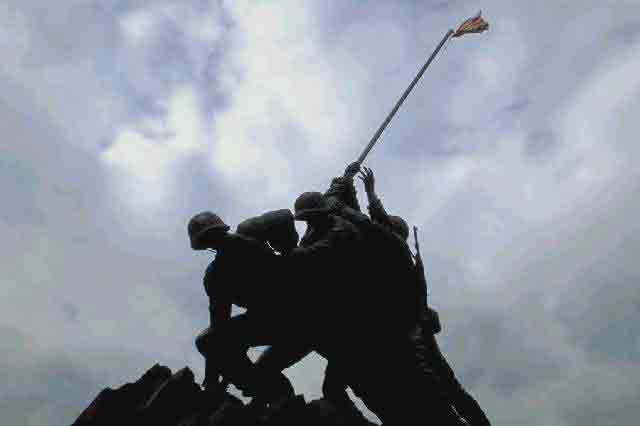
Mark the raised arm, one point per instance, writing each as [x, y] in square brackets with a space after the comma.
[343, 189]
[376, 209]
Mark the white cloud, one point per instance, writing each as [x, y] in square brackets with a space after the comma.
[590, 125]
[143, 25]
[15, 38]
[285, 102]
[138, 155]
[145, 152]
[588, 157]
[490, 78]
[519, 271]
[138, 26]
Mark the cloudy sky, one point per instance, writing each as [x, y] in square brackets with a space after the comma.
[515, 155]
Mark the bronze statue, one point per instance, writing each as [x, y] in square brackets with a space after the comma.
[228, 280]
[385, 236]
[328, 241]
[333, 284]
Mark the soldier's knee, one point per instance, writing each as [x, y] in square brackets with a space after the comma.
[204, 341]
[200, 346]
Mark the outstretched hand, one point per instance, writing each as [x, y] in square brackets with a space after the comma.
[366, 176]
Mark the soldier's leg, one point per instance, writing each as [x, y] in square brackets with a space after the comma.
[353, 363]
[224, 352]
[271, 363]
[230, 344]
[281, 356]
[463, 402]
[202, 344]
[401, 389]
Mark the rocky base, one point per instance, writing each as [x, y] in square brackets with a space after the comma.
[160, 398]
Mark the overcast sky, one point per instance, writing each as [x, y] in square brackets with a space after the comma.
[515, 156]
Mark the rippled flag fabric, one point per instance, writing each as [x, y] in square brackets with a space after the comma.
[472, 25]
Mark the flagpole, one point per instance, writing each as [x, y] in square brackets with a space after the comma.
[386, 121]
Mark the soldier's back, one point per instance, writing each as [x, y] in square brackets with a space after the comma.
[241, 272]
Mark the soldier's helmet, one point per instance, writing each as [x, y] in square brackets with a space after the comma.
[399, 226]
[281, 232]
[276, 227]
[202, 223]
[309, 204]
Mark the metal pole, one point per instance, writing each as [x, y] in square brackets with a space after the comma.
[386, 121]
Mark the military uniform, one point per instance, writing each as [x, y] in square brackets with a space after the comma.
[245, 273]
[320, 266]
[405, 306]
[341, 193]
[276, 228]
[380, 313]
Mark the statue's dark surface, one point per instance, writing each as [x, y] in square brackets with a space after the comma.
[350, 285]
[351, 289]
[244, 273]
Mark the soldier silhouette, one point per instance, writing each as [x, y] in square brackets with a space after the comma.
[426, 345]
[331, 257]
[427, 351]
[248, 274]
[350, 329]
[321, 264]
[243, 273]
[385, 236]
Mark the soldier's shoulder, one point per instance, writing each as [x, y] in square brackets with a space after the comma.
[252, 227]
[258, 226]
[251, 247]
[278, 216]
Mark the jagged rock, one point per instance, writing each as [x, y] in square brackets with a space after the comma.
[174, 400]
[291, 411]
[211, 404]
[117, 406]
[161, 399]
[230, 413]
[102, 410]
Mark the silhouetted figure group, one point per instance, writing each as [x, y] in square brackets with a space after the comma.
[350, 289]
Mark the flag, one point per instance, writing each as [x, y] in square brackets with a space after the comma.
[472, 25]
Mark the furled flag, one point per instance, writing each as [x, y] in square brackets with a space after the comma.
[472, 25]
